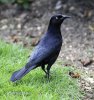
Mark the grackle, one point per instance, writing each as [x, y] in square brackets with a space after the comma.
[47, 50]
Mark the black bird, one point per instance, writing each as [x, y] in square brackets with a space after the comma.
[47, 50]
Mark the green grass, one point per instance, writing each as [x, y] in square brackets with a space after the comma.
[34, 86]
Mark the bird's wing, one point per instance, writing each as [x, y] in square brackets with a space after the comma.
[40, 53]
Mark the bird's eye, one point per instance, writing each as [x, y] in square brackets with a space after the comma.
[56, 17]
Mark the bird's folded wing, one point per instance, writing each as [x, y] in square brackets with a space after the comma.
[40, 53]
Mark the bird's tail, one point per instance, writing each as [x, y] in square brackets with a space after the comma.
[17, 75]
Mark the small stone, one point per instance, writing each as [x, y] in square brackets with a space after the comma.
[11, 26]
[58, 5]
[70, 46]
[87, 84]
[88, 88]
[90, 96]
[38, 28]
[19, 26]
[91, 80]
[72, 8]
[86, 61]
[23, 15]
[4, 27]
[4, 21]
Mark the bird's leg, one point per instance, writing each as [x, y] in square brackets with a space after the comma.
[43, 68]
[48, 71]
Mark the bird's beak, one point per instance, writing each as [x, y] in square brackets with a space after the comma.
[65, 16]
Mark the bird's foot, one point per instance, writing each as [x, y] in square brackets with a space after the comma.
[48, 77]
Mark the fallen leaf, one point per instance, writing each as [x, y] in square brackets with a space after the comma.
[34, 41]
[88, 13]
[91, 27]
[15, 38]
[86, 62]
[74, 75]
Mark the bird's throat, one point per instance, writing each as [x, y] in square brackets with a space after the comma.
[54, 29]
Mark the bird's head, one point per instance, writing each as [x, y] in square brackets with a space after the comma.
[58, 19]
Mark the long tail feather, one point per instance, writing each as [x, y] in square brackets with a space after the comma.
[17, 75]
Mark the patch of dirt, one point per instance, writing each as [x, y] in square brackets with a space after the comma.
[26, 28]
